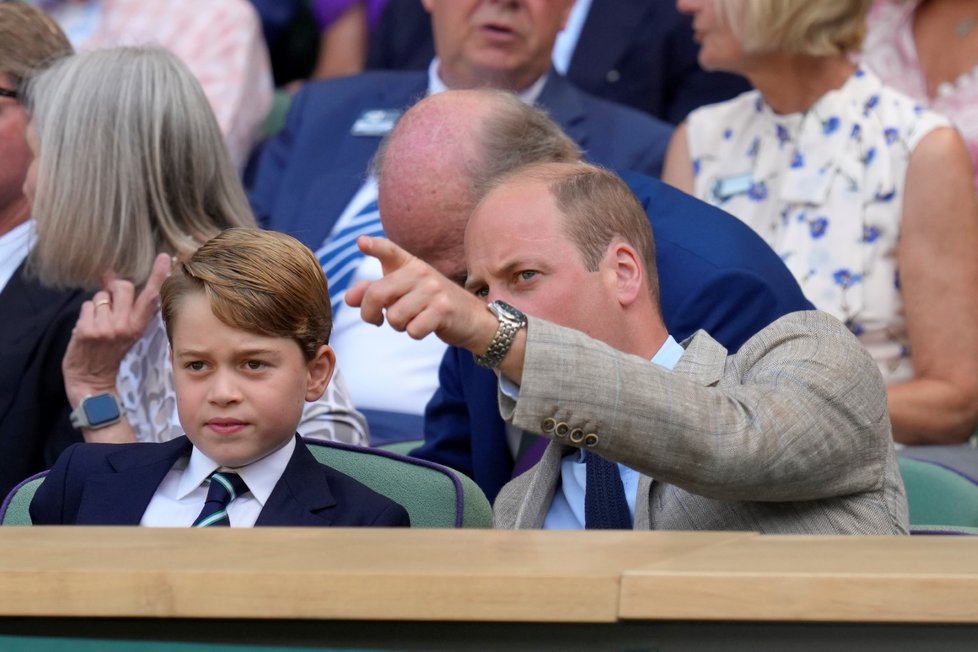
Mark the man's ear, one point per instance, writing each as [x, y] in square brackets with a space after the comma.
[320, 370]
[629, 275]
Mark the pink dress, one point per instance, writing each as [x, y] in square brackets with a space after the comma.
[890, 51]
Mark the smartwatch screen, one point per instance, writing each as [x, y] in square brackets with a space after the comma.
[101, 409]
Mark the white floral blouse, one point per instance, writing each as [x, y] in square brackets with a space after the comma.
[145, 385]
[825, 190]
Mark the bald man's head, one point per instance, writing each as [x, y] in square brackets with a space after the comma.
[443, 151]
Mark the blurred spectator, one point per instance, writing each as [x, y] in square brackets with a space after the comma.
[635, 52]
[219, 40]
[36, 321]
[928, 49]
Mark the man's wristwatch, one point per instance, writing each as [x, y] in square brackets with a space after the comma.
[97, 411]
[511, 321]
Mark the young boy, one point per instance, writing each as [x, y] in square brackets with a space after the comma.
[248, 319]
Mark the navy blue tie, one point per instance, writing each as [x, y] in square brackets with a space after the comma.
[605, 507]
[224, 487]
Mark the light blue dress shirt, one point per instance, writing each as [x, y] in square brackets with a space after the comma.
[567, 509]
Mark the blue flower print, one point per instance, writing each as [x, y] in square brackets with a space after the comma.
[758, 104]
[798, 161]
[870, 155]
[918, 109]
[870, 234]
[696, 167]
[784, 216]
[727, 134]
[905, 351]
[758, 191]
[802, 217]
[754, 146]
[859, 72]
[830, 126]
[885, 197]
[783, 136]
[891, 135]
[818, 227]
[846, 278]
[856, 132]
[870, 104]
[855, 327]
[896, 280]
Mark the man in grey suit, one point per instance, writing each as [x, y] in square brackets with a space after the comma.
[789, 435]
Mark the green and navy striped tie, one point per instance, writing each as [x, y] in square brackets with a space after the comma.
[224, 487]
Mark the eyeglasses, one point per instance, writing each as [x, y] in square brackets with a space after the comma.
[6, 92]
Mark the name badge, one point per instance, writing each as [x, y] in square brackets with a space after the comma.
[375, 122]
[729, 187]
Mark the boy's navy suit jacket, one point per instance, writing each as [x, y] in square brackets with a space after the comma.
[112, 484]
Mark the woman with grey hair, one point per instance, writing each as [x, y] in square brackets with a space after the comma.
[131, 172]
[865, 195]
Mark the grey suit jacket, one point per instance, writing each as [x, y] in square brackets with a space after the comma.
[789, 435]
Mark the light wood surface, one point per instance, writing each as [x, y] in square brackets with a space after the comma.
[813, 579]
[372, 574]
[485, 576]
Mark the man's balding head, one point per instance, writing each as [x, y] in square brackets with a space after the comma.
[443, 151]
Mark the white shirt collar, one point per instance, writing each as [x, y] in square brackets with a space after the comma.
[261, 476]
[15, 244]
[435, 84]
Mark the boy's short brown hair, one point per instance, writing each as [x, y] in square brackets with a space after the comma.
[259, 281]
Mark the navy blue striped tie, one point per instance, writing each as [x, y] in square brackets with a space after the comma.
[339, 256]
[605, 506]
[224, 487]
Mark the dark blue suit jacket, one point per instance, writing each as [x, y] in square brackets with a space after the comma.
[715, 274]
[307, 174]
[35, 327]
[112, 484]
[636, 52]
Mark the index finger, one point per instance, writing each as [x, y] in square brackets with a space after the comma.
[146, 303]
[391, 256]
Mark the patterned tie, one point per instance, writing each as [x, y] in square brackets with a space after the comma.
[339, 255]
[224, 487]
[605, 507]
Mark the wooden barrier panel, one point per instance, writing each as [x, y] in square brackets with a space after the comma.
[334, 574]
[812, 579]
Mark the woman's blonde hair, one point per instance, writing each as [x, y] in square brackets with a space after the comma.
[131, 163]
[808, 27]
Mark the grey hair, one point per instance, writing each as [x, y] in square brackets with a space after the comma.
[514, 135]
[131, 163]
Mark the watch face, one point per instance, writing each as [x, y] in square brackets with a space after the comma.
[101, 409]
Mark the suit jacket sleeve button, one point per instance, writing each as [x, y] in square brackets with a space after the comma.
[548, 425]
[590, 440]
[562, 429]
[577, 435]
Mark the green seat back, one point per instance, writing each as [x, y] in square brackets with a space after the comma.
[15, 509]
[433, 495]
[939, 496]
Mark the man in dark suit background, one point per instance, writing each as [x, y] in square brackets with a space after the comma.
[639, 53]
[36, 322]
[717, 275]
[311, 180]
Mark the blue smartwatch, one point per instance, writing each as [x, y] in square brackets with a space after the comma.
[97, 411]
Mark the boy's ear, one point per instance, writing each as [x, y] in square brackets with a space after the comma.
[320, 370]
